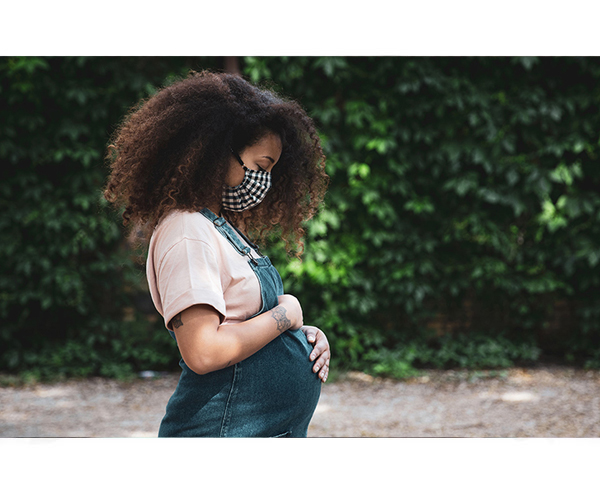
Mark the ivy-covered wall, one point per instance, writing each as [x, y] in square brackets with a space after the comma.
[68, 286]
[459, 228]
[464, 198]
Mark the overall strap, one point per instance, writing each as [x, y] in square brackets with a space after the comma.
[221, 225]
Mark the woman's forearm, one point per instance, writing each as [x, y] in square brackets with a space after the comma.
[206, 346]
[238, 341]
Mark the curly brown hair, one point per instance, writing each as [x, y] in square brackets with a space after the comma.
[173, 151]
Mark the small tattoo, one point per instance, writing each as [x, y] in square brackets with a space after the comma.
[283, 323]
[177, 321]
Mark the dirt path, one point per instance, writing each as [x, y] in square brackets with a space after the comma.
[540, 402]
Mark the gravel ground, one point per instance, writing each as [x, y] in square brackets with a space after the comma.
[535, 402]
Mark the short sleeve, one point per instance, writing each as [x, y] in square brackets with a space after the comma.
[188, 274]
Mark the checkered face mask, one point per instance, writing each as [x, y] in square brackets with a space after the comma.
[249, 193]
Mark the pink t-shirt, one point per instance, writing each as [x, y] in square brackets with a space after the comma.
[190, 262]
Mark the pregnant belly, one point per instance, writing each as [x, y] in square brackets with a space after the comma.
[277, 389]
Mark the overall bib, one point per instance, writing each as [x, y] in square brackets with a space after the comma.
[273, 393]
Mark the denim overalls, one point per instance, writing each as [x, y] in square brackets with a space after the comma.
[273, 393]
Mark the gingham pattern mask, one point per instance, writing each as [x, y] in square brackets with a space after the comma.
[249, 193]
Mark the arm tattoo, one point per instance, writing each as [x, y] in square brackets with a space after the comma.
[177, 321]
[283, 323]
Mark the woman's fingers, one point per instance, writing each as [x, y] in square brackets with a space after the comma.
[321, 347]
[310, 332]
[320, 353]
[324, 371]
[321, 362]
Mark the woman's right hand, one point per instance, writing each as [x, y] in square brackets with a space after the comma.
[288, 313]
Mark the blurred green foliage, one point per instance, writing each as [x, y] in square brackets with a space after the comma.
[457, 180]
[68, 282]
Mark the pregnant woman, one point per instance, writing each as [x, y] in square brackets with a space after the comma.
[199, 166]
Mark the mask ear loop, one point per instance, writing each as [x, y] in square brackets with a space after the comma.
[237, 156]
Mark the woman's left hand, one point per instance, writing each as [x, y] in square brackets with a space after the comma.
[320, 352]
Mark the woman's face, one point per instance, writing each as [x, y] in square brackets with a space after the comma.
[263, 154]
